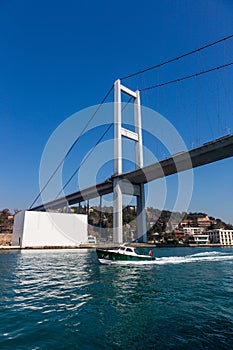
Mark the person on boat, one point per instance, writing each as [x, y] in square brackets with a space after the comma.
[150, 253]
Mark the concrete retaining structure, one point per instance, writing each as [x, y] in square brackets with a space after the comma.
[47, 229]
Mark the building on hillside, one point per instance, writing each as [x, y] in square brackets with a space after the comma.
[186, 222]
[179, 234]
[224, 237]
[205, 222]
[190, 231]
[195, 235]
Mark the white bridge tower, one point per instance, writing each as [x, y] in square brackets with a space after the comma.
[120, 186]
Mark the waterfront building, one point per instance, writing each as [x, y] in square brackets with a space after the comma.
[224, 237]
[201, 238]
[195, 235]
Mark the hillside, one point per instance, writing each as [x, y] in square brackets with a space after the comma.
[165, 224]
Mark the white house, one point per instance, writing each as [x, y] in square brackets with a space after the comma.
[47, 229]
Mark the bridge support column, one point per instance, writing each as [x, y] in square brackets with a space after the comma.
[118, 187]
[101, 216]
[141, 211]
[117, 212]
[141, 216]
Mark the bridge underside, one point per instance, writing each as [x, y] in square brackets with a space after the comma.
[208, 153]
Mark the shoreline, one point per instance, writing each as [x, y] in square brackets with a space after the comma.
[111, 246]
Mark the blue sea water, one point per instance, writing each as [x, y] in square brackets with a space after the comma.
[64, 299]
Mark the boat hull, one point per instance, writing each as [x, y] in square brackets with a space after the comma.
[116, 256]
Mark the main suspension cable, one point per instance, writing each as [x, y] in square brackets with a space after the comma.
[178, 57]
[186, 77]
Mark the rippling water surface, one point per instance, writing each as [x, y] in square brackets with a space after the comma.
[64, 299]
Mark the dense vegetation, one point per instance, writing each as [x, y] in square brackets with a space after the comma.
[6, 221]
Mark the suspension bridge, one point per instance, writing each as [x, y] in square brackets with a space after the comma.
[133, 182]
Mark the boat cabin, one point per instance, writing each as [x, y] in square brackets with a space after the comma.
[127, 250]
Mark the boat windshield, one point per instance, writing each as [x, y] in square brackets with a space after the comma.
[129, 250]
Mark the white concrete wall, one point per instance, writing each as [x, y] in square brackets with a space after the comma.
[18, 228]
[39, 229]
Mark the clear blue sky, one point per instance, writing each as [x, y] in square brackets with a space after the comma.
[58, 57]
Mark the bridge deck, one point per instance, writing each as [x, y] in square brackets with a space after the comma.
[207, 153]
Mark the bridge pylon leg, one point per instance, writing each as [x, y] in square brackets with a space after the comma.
[141, 216]
[135, 136]
[117, 212]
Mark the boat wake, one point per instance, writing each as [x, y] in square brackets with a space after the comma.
[174, 260]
